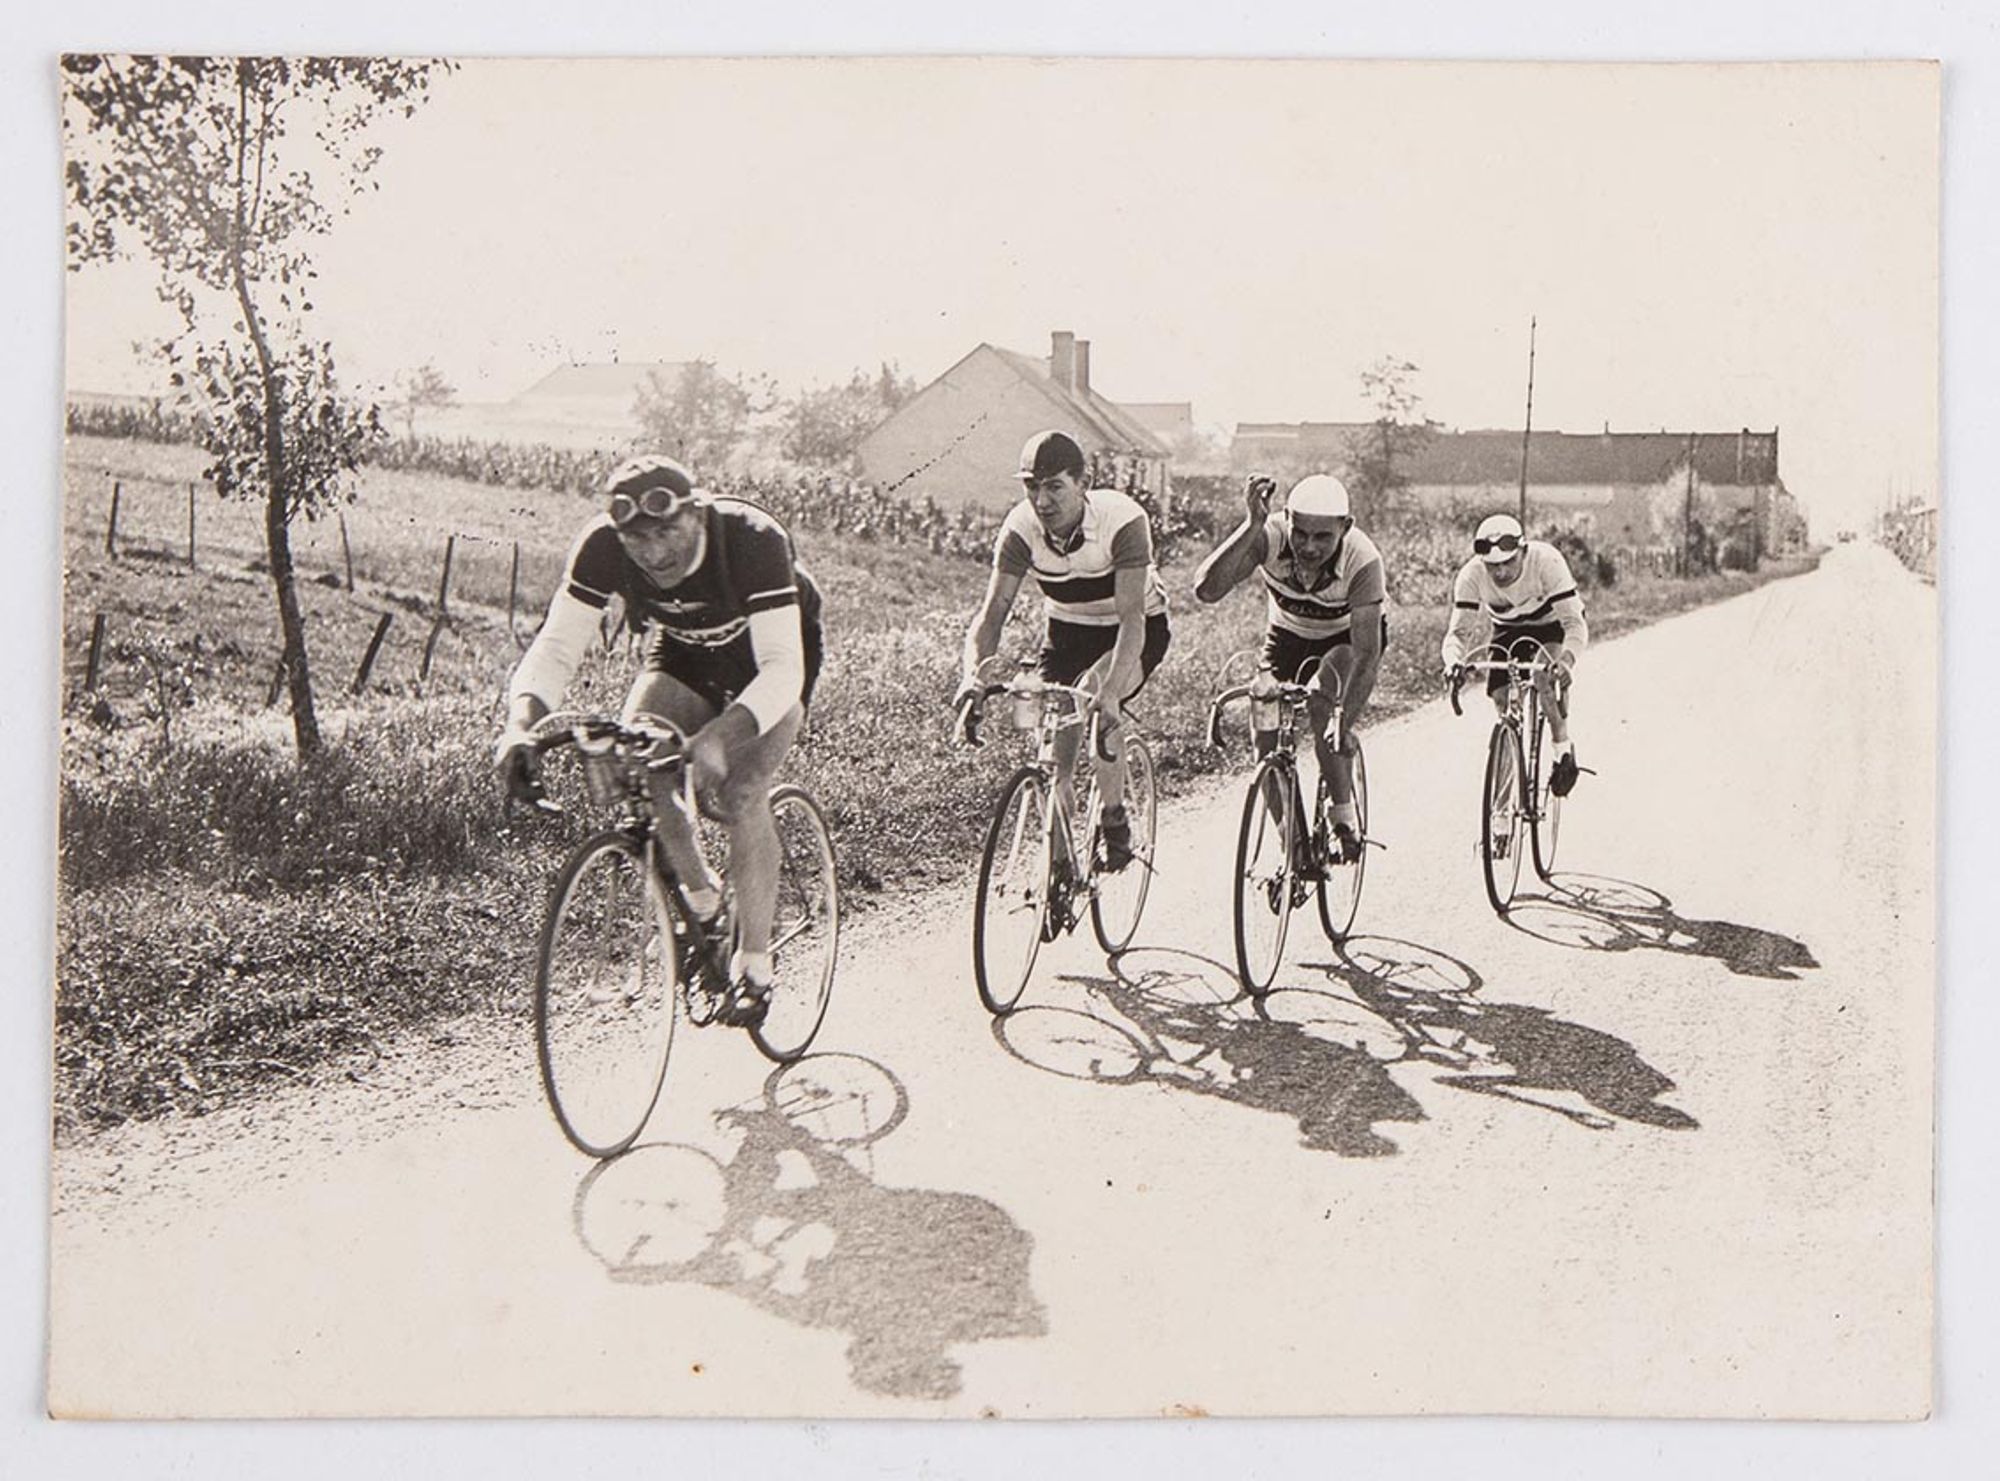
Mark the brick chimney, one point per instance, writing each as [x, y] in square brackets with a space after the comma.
[1062, 359]
[1082, 382]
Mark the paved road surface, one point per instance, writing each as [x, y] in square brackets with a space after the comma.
[1658, 1144]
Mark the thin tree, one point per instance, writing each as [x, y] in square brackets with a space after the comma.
[424, 389]
[221, 170]
[1378, 455]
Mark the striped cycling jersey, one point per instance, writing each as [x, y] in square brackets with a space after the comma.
[1079, 583]
[1544, 592]
[1324, 606]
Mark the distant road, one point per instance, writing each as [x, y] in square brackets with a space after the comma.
[1659, 1143]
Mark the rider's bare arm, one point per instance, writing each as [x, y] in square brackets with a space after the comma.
[1128, 591]
[1464, 604]
[982, 638]
[1568, 607]
[1236, 558]
[1366, 595]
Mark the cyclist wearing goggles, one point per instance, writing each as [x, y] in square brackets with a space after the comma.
[1525, 587]
[731, 656]
[1324, 598]
[1091, 552]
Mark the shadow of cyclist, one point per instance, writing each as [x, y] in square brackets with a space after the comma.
[1507, 1050]
[795, 1222]
[1594, 913]
[1173, 1018]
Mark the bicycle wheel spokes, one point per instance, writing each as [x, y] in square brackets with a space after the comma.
[1013, 900]
[1264, 872]
[1118, 898]
[1340, 881]
[805, 928]
[605, 990]
[1500, 840]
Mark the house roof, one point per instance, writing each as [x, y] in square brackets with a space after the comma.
[1494, 457]
[614, 381]
[1108, 421]
[1484, 458]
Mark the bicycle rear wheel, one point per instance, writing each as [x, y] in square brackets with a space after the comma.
[1117, 900]
[606, 994]
[1013, 901]
[1545, 810]
[1265, 847]
[1500, 816]
[805, 928]
[1340, 884]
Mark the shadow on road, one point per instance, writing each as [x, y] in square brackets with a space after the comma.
[1506, 1050]
[795, 1222]
[1177, 1019]
[1593, 913]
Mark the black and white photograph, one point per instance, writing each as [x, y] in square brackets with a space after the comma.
[995, 737]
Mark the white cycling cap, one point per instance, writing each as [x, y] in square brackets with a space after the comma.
[1495, 528]
[1318, 494]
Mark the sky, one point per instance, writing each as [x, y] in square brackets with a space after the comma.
[1700, 248]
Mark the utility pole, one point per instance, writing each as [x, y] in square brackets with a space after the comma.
[1527, 424]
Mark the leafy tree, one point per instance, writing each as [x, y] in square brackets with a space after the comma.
[701, 416]
[221, 170]
[823, 425]
[1378, 456]
[424, 389]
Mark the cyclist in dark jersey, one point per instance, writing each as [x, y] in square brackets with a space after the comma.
[732, 652]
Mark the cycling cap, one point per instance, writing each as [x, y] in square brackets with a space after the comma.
[651, 484]
[1048, 453]
[1318, 494]
[1498, 538]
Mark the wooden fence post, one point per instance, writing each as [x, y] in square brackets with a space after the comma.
[277, 682]
[444, 578]
[374, 647]
[513, 584]
[190, 527]
[111, 528]
[96, 652]
[347, 552]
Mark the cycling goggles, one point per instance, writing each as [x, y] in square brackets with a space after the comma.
[652, 503]
[1505, 544]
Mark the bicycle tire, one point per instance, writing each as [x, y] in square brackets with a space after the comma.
[606, 995]
[1265, 847]
[1545, 807]
[1013, 898]
[1500, 818]
[1339, 887]
[805, 928]
[1117, 901]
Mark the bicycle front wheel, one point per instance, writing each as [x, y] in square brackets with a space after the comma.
[606, 992]
[1118, 899]
[1013, 901]
[1500, 804]
[1266, 851]
[1340, 883]
[805, 928]
[1545, 813]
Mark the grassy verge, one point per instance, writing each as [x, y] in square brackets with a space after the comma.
[228, 916]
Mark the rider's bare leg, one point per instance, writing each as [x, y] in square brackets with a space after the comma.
[655, 693]
[754, 849]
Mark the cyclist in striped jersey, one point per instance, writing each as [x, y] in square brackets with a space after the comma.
[1091, 553]
[1325, 591]
[1525, 587]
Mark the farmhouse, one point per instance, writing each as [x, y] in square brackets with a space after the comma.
[1632, 489]
[958, 439]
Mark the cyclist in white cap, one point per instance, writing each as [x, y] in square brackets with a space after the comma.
[1525, 587]
[1325, 592]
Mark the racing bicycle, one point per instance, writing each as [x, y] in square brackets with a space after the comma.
[1515, 796]
[621, 957]
[1044, 856]
[1281, 857]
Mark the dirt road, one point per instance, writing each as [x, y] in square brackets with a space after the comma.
[1658, 1143]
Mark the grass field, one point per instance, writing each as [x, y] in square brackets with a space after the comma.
[227, 915]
